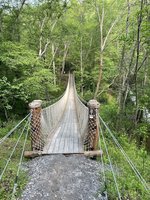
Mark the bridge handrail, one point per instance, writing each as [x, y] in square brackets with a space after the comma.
[12, 130]
[82, 113]
[51, 115]
[133, 167]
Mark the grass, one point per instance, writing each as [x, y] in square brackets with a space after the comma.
[9, 177]
[129, 185]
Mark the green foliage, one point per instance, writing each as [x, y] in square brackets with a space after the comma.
[16, 63]
[8, 180]
[22, 78]
[9, 95]
[17, 59]
[25, 76]
[40, 85]
[129, 185]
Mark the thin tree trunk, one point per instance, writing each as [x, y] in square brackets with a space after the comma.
[91, 41]
[53, 64]
[101, 21]
[6, 114]
[103, 41]
[42, 50]
[41, 36]
[53, 57]
[81, 64]
[124, 87]
[137, 56]
[66, 48]
[99, 75]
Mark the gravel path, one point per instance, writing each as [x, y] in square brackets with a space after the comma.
[64, 178]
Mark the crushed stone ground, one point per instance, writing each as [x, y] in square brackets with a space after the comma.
[64, 178]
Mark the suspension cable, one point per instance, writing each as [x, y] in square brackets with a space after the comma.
[111, 166]
[20, 162]
[51, 102]
[11, 131]
[8, 160]
[127, 158]
[54, 101]
[102, 161]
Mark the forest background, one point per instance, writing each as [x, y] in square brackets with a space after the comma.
[105, 43]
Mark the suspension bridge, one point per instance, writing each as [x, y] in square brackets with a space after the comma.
[69, 126]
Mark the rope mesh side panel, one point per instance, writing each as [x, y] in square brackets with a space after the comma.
[91, 136]
[51, 116]
[82, 114]
[37, 141]
[91, 139]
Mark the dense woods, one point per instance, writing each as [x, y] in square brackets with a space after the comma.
[106, 44]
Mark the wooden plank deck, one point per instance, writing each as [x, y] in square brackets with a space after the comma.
[66, 138]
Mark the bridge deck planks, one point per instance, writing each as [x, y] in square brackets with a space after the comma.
[67, 138]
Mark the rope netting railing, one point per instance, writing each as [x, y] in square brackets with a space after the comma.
[88, 121]
[51, 115]
[12, 147]
[45, 121]
[82, 113]
[114, 170]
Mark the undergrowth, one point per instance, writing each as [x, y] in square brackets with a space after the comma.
[129, 186]
[9, 177]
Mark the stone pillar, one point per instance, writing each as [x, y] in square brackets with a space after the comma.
[37, 142]
[91, 141]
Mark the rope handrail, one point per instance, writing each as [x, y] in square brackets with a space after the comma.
[20, 162]
[82, 112]
[13, 150]
[51, 115]
[58, 98]
[55, 100]
[127, 158]
[111, 166]
[12, 130]
[102, 161]
[82, 100]
[52, 102]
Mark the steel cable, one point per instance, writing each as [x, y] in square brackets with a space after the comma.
[11, 131]
[111, 166]
[102, 161]
[127, 158]
[20, 162]
[8, 160]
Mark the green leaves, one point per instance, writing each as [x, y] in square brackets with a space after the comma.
[16, 54]
[40, 85]
[129, 185]
[6, 94]
[9, 95]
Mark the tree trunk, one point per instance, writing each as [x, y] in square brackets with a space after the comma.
[53, 64]
[101, 21]
[137, 56]
[99, 76]
[66, 47]
[124, 74]
[81, 64]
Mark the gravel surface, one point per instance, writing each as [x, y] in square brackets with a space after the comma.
[64, 178]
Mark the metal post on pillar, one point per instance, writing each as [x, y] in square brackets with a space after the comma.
[91, 140]
[37, 142]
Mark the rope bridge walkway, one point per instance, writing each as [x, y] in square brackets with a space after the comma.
[65, 127]
[67, 135]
